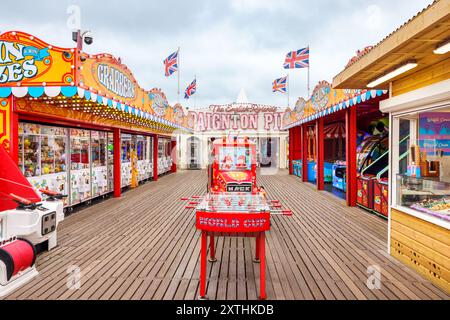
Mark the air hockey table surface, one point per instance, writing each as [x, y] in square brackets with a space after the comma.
[234, 203]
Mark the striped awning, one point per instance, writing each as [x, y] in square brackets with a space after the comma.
[72, 91]
[357, 99]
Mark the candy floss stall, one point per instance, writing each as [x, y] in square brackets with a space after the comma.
[79, 124]
[235, 205]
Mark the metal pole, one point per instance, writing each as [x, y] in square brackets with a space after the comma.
[195, 93]
[309, 63]
[288, 89]
[178, 72]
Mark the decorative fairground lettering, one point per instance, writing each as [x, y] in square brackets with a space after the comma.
[116, 81]
[17, 61]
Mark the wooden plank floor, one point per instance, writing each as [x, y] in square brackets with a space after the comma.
[145, 246]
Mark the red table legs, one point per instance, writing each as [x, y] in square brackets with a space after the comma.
[256, 258]
[212, 252]
[203, 266]
[262, 265]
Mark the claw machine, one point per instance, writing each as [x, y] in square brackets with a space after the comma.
[99, 174]
[80, 166]
[43, 156]
[110, 161]
[125, 163]
[143, 156]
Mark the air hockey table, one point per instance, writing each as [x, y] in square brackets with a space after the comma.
[234, 215]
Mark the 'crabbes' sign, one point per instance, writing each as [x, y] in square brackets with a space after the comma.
[236, 187]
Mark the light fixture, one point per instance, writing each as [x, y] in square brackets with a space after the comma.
[442, 48]
[402, 69]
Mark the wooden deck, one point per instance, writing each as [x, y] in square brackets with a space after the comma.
[145, 246]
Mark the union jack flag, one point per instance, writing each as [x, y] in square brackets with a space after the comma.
[279, 85]
[297, 59]
[191, 89]
[171, 63]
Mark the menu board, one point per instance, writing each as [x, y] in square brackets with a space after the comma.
[434, 132]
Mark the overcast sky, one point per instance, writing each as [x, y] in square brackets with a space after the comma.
[228, 45]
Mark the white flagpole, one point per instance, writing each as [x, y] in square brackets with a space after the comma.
[178, 72]
[288, 89]
[195, 93]
[309, 63]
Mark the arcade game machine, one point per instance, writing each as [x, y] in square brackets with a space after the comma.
[27, 224]
[372, 158]
[234, 205]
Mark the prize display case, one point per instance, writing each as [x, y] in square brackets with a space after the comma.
[99, 163]
[425, 194]
[164, 156]
[125, 154]
[80, 167]
[143, 151]
[422, 162]
[110, 160]
[161, 156]
[43, 156]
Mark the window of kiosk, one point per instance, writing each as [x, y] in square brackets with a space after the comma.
[140, 149]
[79, 149]
[53, 149]
[234, 158]
[98, 148]
[126, 148]
[29, 149]
[423, 162]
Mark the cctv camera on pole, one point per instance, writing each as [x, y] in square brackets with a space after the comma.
[79, 38]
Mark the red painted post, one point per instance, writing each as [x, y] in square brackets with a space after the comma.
[257, 249]
[173, 148]
[291, 149]
[212, 251]
[155, 157]
[304, 153]
[203, 266]
[350, 145]
[262, 266]
[117, 163]
[14, 131]
[320, 154]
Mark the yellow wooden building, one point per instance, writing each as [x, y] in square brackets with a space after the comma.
[413, 62]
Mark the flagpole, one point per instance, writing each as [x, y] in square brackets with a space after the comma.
[309, 63]
[178, 91]
[195, 98]
[288, 89]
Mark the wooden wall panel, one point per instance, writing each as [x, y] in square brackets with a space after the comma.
[423, 246]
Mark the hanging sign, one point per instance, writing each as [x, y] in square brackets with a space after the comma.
[27, 61]
[107, 76]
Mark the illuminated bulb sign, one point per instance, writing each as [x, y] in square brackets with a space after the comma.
[17, 61]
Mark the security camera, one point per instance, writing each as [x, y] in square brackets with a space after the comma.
[88, 37]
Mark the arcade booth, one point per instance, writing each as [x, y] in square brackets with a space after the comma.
[414, 63]
[234, 205]
[80, 124]
[332, 128]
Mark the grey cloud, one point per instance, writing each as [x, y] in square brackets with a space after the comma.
[227, 44]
